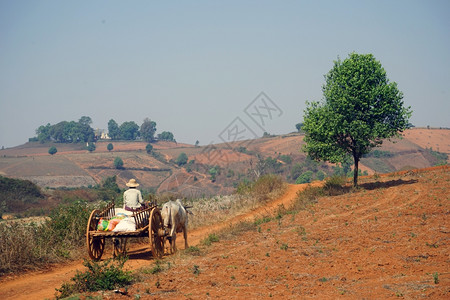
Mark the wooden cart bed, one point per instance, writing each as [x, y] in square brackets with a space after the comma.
[148, 223]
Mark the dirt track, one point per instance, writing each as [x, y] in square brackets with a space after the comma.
[388, 240]
[41, 285]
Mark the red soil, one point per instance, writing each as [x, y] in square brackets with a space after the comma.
[390, 239]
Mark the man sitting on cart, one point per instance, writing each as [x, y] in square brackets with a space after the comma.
[132, 198]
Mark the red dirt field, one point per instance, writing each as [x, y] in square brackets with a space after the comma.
[388, 239]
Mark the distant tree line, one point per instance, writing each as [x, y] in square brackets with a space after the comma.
[66, 132]
[81, 131]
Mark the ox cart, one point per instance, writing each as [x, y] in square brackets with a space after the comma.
[149, 223]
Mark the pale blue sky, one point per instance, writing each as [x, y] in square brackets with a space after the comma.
[194, 66]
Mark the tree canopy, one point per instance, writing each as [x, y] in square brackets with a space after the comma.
[360, 109]
[148, 129]
[129, 130]
[113, 130]
[166, 136]
[182, 159]
[67, 132]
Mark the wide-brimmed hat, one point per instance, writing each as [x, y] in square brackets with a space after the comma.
[132, 183]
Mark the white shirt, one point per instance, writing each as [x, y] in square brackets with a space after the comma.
[132, 198]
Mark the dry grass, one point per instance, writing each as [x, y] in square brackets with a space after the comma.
[34, 244]
[217, 209]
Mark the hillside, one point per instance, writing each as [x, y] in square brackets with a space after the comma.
[389, 239]
[73, 166]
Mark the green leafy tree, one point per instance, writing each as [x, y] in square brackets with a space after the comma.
[67, 132]
[84, 120]
[148, 129]
[110, 147]
[43, 133]
[113, 130]
[85, 133]
[299, 126]
[129, 130]
[91, 147]
[182, 159]
[213, 172]
[360, 109]
[118, 163]
[166, 136]
[52, 150]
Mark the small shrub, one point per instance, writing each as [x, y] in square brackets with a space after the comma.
[91, 147]
[196, 270]
[52, 150]
[436, 277]
[193, 250]
[305, 177]
[182, 159]
[307, 197]
[149, 148]
[118, 163]
[212, 238]
[266, 186]
[335, 185]
[157, 268]
[106, 275]
[262, 220]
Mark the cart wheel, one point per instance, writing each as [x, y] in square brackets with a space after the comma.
[120, 246]
[95, 245]
[156, 233]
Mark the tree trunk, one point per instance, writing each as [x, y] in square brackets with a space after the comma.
[355, 171]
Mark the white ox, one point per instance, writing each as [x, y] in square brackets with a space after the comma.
[175, 220]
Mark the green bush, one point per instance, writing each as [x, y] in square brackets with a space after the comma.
[67, 224]
[118, 163]
[212, 238]
[149, 148]
[100, 276]
[182, 159]
[305, 177]
[52, 150]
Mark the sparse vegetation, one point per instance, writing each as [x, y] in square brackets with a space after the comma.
[31, 245]
[99, 276]
[263, 188]
[18, 194]
[436, 277]
[212, 238]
